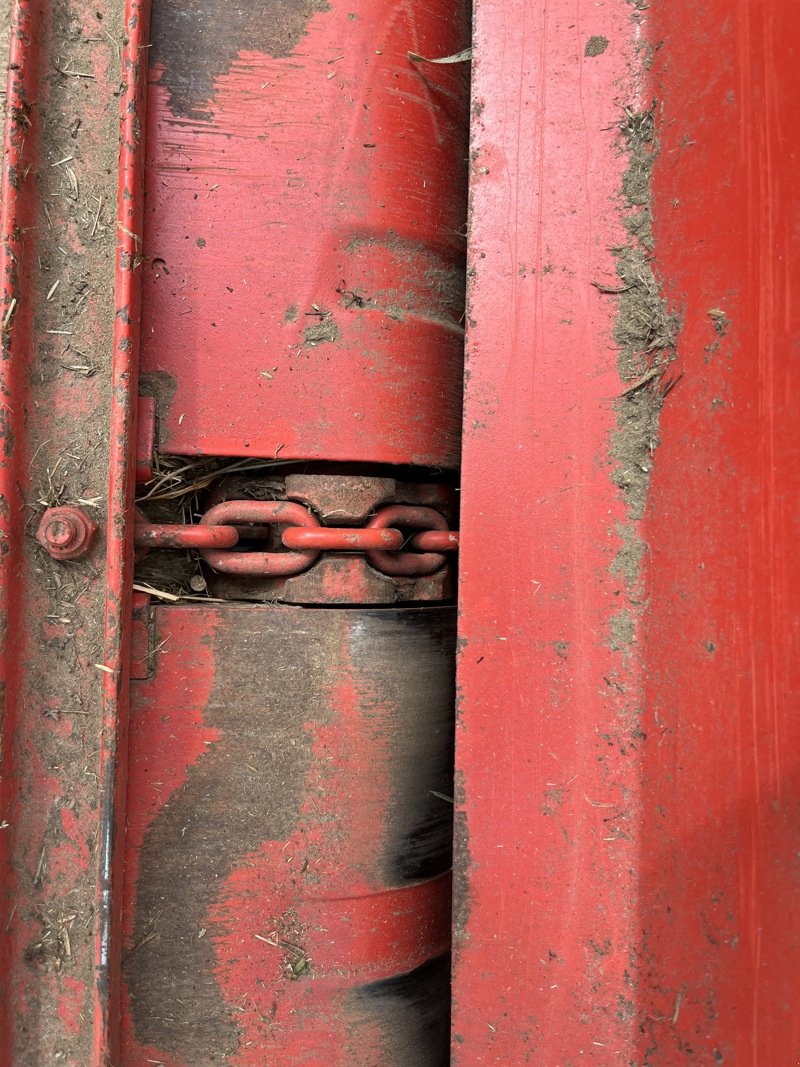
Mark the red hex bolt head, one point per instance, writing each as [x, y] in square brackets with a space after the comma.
[66, 533]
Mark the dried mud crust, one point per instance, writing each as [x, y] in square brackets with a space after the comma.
[75, 120]
[646, 329]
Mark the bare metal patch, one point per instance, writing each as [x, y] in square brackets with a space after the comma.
[223, 812]
[197, 40]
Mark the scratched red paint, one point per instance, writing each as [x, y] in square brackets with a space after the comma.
[350, 208]
[39, 1006]
[720, 866]
[548, 761]
[357, 928]
[41, 872]
[706, 810]
[77, 848]
[164, 743]
[673, 937]
[70, 1004]
[112, 768]
[16, 318]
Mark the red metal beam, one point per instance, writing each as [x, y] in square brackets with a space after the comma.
[548, 762]
[720, 861]
[627, 802]
[119, 538]
[15, 217]
[58, 317]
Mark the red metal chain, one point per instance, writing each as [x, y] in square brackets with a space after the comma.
[162, 535]
[381, 540]
[435, 541]
[262, 564]
[407, 564]
[342, 539]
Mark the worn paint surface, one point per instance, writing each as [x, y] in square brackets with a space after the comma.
[720, 862]
[196, 42]
[627, 838]
[548, 750]
[16, 325]
[627, 831]
[340, 167]
[112, 769]
[290, 796]
[59, 190]
[290, 817]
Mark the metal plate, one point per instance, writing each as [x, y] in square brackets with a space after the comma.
[57, 257]
[288, 812]
[304, 243]
[627, 819]
[720, 862]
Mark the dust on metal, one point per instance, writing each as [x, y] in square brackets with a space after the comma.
[342, 539]
[173, 535]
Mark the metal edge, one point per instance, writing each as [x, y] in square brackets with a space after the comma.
[15, 328]
[546, 689]
[119, 545]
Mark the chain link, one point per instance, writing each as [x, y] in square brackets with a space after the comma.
[382, 540]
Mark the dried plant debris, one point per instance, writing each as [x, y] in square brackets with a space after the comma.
[179, 478]
[175, 494]
[646, 329]
[53, 945]
[465, 56]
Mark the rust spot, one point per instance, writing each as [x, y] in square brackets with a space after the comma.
[197, 40]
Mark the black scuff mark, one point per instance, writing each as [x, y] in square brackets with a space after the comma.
[195, 41]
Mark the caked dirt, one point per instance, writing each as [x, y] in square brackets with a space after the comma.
[645, 331]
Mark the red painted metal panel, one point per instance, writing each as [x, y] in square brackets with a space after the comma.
[289, 843]
[304, 231]
[627, 804]
[16, 332]
[720, 862]
[305, 203]
[116, 665]
[627, 793]
[547, 762]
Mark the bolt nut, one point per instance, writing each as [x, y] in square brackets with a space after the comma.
[66, 533]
